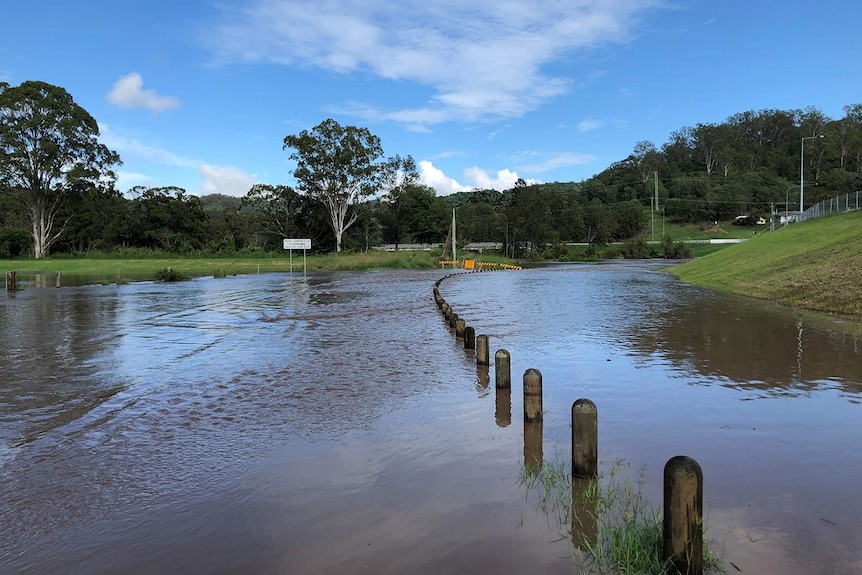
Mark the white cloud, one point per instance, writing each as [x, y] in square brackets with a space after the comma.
[504, 180]
[588, 125]
[483, 59]
[128, 92]
[434, 177]
[225, 180]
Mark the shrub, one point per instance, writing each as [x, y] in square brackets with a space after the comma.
[637, 250]
[14, 242]
[169, 275]
[675, 250]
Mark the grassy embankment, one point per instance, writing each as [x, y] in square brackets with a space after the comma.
[814, 265]
[711, 231]
[111, 269]
[676, 232]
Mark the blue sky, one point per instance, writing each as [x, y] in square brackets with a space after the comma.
[200, 94]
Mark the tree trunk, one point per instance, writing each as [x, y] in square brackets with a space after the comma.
[40, 239]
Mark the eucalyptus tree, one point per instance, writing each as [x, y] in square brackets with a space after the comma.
[48, 146]
[339, 166]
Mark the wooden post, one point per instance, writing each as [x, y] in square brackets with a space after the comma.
[460, 326]
[532, 395]
[503, 407]
[502, 369]
[453, 320]
[585, 438]
[58, 279]
[482, 357]
[10, 281]
[533, 456]
[469, 337]
[682, 533]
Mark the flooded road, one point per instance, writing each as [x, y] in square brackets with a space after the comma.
[331, 424]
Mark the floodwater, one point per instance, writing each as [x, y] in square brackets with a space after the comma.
[332, 424]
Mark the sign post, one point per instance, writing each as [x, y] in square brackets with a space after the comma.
[297, 244]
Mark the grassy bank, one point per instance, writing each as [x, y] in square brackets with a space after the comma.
[815, 265]
[141, 268]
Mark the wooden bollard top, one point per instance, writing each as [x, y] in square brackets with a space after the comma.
[682, 532]
[532, 395]
[585, 438]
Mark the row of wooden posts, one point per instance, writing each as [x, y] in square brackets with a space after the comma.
[12, 280]
[682, 533]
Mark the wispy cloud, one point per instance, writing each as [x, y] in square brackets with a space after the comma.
[588, 125]
[129, 145]
[128, 92]
[227, 180]
[484, 60]
[537, 162]
[557, 161]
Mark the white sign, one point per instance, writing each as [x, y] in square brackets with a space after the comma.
[297, 244]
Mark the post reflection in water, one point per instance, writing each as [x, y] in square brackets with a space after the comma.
[503, 407]
[483, 379]
[584, 512]
[533, 457]
[799, 350]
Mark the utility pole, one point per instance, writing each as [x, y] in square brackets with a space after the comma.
[654, 205]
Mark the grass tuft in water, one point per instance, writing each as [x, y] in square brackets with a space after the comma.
[170, 275]
[613, 528]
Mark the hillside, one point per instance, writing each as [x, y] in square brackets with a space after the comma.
[814, 265]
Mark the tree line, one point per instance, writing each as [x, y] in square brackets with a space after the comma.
[58, 192]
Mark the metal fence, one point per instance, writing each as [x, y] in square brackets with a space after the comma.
[836, 205]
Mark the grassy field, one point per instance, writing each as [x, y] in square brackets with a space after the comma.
[814, 265]
[143, 268]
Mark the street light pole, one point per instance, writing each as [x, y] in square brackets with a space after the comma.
[802, 173]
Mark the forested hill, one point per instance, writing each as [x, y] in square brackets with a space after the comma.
[748, 164]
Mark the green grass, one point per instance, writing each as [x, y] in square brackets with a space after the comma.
[612, 527]
[143, 267]
[814, 265]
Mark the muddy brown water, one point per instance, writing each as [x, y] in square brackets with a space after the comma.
[331, 423]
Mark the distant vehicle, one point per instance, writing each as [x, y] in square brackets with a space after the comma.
[744, 221]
